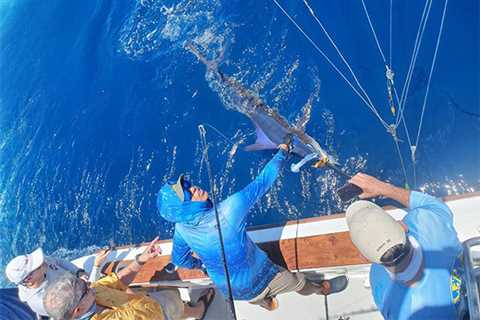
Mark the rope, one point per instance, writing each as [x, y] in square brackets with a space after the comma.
[370, 105]
[413, 147]
[373, 31]
[328, 60]
[418, 40]
[390, 51]
[402, 100]
[402, 163]
[431, 71]
[414, 174]
[402, 117]
[203, 133]
[390, 85]
[390, 66]
[390, 88]
[224, 137]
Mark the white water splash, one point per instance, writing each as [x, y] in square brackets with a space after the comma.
[449, 186]
[158, 28]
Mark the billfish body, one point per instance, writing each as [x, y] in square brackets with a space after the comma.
[271, 127]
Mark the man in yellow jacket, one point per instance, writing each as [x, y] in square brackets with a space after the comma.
[108, 299]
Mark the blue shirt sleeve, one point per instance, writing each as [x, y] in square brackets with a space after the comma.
[237, 205]
[182, 254]
[377, 286]
[419, 200]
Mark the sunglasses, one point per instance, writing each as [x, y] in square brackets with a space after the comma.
[91, 312]
[395, 254]
[29, 277]
[186, 185]
[86, 289]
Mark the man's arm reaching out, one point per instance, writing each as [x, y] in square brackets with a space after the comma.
[240, 202]
[258, 187]
[127, 275]
[372, 187]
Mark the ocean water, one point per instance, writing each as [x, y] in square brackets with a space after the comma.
[100, 104]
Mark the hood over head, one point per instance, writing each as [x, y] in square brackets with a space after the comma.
[173, 209]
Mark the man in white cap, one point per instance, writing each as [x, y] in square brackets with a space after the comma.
[33, 272]
[417, 270]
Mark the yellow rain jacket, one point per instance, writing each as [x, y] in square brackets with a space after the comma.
[110, 293]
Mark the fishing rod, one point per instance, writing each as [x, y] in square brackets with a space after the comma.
[203, 139]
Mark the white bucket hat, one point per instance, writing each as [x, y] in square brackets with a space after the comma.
[20, 267]
[373, 231]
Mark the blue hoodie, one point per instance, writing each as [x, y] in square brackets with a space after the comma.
[195, 231]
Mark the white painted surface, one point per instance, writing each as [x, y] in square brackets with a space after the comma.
[466, 217]
[356, 302]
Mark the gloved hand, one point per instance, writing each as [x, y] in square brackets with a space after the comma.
[287, 144]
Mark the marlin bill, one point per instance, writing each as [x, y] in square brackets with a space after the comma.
[271, 128]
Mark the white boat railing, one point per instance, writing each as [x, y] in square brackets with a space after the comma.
[472, 277]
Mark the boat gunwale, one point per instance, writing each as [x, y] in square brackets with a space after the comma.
[341, 215]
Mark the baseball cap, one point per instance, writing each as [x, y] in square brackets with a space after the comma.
[180, 186]
[20, 267]
[373, 231]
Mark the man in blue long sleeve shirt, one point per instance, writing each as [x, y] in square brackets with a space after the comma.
[253, 275]
[417, 269]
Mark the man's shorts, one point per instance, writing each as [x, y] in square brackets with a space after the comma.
[172, 305]
[284, 281]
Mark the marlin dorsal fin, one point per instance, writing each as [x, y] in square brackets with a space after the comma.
[262, 142]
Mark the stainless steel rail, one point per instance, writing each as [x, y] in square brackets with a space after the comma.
[472, 277]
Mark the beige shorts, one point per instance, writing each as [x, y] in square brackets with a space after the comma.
[284, 281]
[172, 305]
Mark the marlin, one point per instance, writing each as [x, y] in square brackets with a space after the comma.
[271, 128]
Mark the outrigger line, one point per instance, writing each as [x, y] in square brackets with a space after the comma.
[396, 104]
[213, 197]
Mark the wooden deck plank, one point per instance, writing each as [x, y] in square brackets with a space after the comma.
[304, 253]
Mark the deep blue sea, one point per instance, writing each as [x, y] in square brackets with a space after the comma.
[100, 105]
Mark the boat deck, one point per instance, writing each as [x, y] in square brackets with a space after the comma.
[357, 299]
[318, 246]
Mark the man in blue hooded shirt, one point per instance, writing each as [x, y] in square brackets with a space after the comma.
[253, 276]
